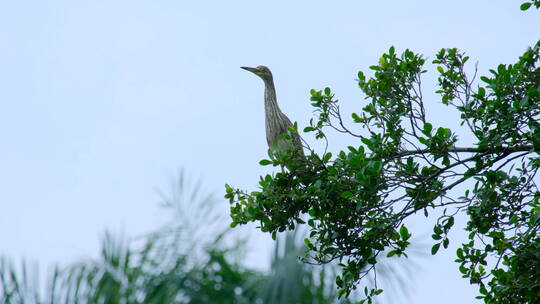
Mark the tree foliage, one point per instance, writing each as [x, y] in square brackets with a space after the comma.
[526, 5]
[190, 260]
[401, 163]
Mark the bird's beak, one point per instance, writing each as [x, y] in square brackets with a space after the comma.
[252, 70]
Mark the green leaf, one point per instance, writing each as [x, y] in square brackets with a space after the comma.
[327, 91]
[440, 69]
[446, 161]
[435, 248]
[485, 79]
[356, 162]
[391, 253]
[449, 223]
[366, 141]
[525, 6]
[327, 157]
[446, 242]
[441, 132]
[423, 140]
[346, 194]
[404, 232]
[427, 128]
[376, 165]
[459, 253]
[481, 92]
[285, 136]
[265, 162]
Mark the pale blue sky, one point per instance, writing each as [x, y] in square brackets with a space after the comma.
[103, 101]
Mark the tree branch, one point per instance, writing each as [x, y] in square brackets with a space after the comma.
[522, 148]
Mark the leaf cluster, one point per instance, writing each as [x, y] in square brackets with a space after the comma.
[400, 163]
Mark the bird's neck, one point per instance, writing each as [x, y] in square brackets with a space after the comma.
[270, 99]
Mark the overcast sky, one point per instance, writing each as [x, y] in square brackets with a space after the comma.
[102, 102]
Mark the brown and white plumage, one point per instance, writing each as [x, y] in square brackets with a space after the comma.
[276, 122]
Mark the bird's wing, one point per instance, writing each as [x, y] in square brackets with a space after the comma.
[294, 135]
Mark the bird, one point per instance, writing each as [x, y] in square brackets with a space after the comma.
[276, 122]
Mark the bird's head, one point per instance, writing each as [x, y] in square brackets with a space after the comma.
[260, 71]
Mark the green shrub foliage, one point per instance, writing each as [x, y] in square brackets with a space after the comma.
[401, 163]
